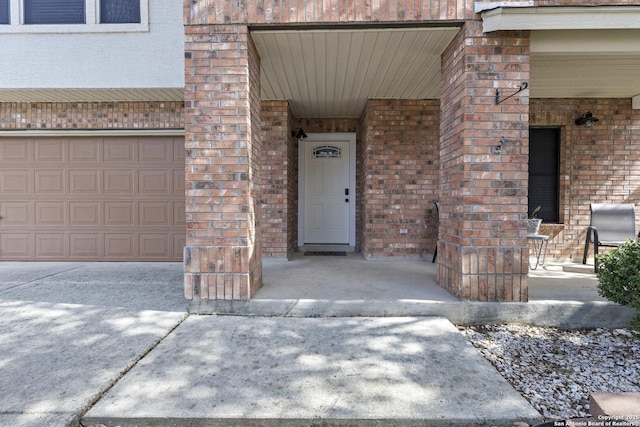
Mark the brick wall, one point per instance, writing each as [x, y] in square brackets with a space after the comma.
[400, 140]
[279, 193]
[92, 115]
[597, 164]
[327, 11]
[482, 250]
[222, 136]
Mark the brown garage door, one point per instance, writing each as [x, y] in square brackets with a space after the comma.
[92, 198]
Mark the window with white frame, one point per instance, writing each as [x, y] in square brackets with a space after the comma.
[73, 15]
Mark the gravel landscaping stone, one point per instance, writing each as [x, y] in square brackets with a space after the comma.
[556, 370]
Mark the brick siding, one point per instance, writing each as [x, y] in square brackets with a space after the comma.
[279, 193]
[91, 115]
[482, 248]
[200, 12]
[223, 256]
[400, 140]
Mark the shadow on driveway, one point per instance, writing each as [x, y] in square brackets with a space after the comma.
[68, 331]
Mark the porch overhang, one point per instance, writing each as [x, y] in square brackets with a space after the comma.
[561, 18]
[576, 51]
[332, 72]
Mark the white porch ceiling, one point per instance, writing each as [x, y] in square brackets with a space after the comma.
[332, 73]
[585, 64]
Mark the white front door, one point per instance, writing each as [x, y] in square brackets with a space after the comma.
[327, 192]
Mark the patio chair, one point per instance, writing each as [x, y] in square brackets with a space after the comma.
[611, 226]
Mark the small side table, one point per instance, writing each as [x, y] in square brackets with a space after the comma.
[540, 242]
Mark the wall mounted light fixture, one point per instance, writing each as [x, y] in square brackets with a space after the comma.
[498, 148]
[298, 133]
[586, 119]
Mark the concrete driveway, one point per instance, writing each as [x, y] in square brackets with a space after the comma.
[70, 330]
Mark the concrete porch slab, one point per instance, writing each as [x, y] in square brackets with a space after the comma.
[353, 286]
[256, 371]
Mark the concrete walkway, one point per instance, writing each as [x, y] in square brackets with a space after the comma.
[272, 372]
[109, 342]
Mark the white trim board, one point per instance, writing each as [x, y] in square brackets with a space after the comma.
[561, 18]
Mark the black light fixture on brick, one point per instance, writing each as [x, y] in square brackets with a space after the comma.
[586, 119]
[298, 133]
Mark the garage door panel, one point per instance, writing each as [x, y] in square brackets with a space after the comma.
[120, 245]
[154, 181]
[84, 214]
[153, 150]
[179, 242]
[153, 213]
[84, 245]
[179, 150]
[49, 181]
[50, 213]
[16, 213]
[50, 245]
[154, 245]
[179, 217]
[92, 198]
[178, 181]
[84, 182]
[82, 150]
[16, 151]
[15, 181]
[118, 181]
[16, 245]
[119, 213]
[49, 151]
[120, 150]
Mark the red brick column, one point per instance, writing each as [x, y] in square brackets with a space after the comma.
[482, 252]
[222, 257]
[280, 176]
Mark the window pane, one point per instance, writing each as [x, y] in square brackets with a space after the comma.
[54, 11]
[4, 12]
[119, 11]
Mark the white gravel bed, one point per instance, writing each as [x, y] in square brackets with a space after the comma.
[556, 370]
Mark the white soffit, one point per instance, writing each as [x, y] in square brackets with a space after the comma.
[332, 73]
[585, 64]
[561, 18]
